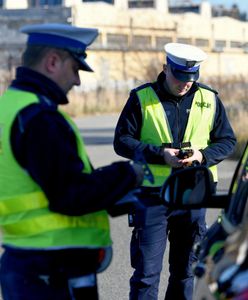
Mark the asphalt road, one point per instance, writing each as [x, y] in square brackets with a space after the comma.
[114, 282]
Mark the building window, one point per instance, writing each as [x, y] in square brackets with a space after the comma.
[141, 3]
[245, 47]
[107, 1]
[235, 44]
[97, 42]
[117, 41]
[161, 41]
[184, 41]
[141, 42]
[219, 45]
[201, 42]
[35, 3]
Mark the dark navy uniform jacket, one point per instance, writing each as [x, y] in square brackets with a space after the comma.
[45, 145]
[127, 133]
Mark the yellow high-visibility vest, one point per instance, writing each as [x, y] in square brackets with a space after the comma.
[156, 130]
[25, 218]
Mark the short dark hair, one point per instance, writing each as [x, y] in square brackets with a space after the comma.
[33, 54]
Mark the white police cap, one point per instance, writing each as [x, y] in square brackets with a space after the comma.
[63, 36]
[184, 60]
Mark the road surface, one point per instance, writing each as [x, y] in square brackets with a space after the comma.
[113, 284]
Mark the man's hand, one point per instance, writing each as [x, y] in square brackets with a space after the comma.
[197, 156]
[171, 159]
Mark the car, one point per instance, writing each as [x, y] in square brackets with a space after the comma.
[221, 271]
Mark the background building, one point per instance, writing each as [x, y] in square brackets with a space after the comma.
[129, 48]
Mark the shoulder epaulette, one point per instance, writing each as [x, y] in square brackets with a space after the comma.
[141, 87]
[29, 112]
[204, 86]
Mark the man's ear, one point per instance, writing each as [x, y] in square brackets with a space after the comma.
[52, 62]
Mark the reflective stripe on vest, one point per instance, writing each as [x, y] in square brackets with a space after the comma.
[156, 130]
[24, 215]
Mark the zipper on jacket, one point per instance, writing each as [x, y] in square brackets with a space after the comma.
[178, 121]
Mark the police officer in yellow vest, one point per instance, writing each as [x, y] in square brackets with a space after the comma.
[159, 119]
[52, 202]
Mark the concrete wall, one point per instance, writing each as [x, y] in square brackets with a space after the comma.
[12, 41]
[125, 69]
[129, 62]
[130, 44]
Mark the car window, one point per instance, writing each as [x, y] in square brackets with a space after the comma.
[239, 192]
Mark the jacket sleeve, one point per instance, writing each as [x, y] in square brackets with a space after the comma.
[222, 137]
[47, 150]
[127, 134]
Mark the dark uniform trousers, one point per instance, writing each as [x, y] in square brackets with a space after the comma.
[48, 275]
[153, 226]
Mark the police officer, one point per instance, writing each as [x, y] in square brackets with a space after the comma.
[160, 118]
[52, 202]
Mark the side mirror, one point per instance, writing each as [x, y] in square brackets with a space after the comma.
[191, 187]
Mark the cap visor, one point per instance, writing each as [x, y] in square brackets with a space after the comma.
[82, 63]
[185, 76]
[84, 66]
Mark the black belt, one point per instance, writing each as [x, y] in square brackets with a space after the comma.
[177, 145]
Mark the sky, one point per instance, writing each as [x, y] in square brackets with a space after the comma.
[242, 4]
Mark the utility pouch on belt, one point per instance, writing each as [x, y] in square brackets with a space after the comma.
[131, 219]
[137, 219]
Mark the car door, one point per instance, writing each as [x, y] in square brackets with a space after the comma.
[226, 268]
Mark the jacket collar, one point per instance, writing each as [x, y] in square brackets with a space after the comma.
[35, 82]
